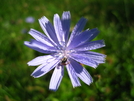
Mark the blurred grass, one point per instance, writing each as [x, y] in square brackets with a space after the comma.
[113, 81]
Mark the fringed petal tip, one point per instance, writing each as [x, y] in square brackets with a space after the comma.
[91, 81]
[29, 64]
[76, 86]
[26, 42]
[34, 76]
[53, 89]
[43, 20]
[37, 74]
[66, 15]
[102, 42]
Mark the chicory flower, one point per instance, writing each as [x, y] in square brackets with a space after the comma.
[65, 49]
[30, 19]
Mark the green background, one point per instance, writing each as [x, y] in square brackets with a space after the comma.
[113, 81]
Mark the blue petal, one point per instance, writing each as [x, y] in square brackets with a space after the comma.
[41, 37]
[45, 68]
[77, 30]
[56, 78]
[66, 19]
[48, 29]
[98, 57]
[40, 60]
[81, 72]
[91, 45]
[58, 28]
[83, 37]
[72, 74]
[35, 48]
[39, 46]
[84, 60]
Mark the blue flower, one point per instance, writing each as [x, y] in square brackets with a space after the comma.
[30, 19]
[65, 49]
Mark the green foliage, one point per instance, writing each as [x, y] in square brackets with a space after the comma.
[113, 81]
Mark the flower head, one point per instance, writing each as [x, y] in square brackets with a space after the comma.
[65, 50]
[30, 19]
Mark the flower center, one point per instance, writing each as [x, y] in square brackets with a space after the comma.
[63, 53]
